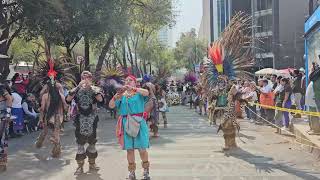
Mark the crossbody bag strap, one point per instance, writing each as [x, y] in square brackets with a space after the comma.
[129, 111]
[128, 108]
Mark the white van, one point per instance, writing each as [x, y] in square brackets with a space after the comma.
[22, 68]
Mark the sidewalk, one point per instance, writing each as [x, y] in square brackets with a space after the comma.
[312, 142]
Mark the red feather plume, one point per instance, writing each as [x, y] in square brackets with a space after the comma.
[215, 54]
[51, 72]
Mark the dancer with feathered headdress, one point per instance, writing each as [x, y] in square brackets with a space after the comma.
[229, 57]
[52, 104]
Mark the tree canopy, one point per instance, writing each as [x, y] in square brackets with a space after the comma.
[116, 31]
[190, 50]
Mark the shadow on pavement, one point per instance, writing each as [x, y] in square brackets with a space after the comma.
[267, 165]
[247, 137]
[89, 176]
[28, 162]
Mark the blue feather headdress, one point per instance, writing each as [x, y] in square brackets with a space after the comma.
[231, 55]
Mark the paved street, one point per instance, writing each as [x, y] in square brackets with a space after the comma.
[188, 150]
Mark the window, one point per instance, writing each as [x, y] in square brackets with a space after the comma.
[223, 14]
[264, 23]
[265, 46]
[264, 4]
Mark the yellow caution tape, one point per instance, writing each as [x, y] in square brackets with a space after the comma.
[316, 114]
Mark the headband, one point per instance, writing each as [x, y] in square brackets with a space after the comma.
[132, 77]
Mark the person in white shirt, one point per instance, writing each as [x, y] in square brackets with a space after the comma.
[252, 96]
[266, 98]
[30, 114]
[17, 112]
[245, 90]
[278, 117]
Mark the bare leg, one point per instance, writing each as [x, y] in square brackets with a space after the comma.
[132, 164]
[145, 163]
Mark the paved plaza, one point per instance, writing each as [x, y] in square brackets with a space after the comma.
[189, 149]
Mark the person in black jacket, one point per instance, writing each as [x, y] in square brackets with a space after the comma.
[296, 89]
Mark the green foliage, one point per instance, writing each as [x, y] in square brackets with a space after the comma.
[22, 50]
[190, 50]
[149, 16]
[64, 23]
[161, 58]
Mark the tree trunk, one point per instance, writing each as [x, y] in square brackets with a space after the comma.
[4, 37]
[47, 47]
[86, 53]
[69, 51]
[136, 62]
[114, 60]
[4, 62]
[131, 57]
[144, 67]
[103, 53]
[124, 58]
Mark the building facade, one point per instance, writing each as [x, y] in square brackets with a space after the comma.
[312, 38]
[165, 36]
[204, 30]
[217, 14]
[279, 25]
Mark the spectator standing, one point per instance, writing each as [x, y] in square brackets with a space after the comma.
[246, 91]
[285, 99]
[17, 111]
[296, 88]
[314, 77]
[251, 96]
[278, 114]
[274, 81]
[303, 87]
[20, 83]
[266, 98]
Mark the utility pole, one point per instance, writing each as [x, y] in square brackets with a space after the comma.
[211, 21]
[295, 49]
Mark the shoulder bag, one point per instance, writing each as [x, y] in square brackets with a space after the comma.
[132, 126]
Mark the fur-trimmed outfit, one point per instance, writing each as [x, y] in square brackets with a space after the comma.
[86, 123]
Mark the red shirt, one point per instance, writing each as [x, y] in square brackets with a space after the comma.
[21, 85]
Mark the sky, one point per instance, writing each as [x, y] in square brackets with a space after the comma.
[189, 16]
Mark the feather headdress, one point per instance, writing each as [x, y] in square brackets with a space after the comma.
[111, 77]
[232, 54]
[58, 69]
